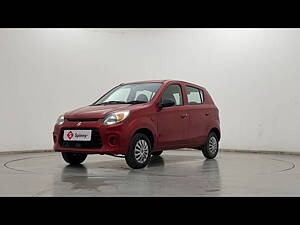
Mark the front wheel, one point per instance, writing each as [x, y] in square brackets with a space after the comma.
[73, 158]
[211, 147]
[139, 152]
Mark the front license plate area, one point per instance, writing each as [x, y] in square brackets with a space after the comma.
[77, 135]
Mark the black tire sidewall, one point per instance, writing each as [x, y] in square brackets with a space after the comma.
[74, 158]
[130, 157]
[157, 153]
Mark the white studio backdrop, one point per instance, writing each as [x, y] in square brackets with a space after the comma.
[252, 74]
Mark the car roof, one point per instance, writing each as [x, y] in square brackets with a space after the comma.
[147, 81]
[163, 81]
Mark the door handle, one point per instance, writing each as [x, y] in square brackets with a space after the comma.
[184, 115]
[206, 114]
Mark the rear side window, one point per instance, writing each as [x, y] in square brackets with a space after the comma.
[174, 93]
[194, 95]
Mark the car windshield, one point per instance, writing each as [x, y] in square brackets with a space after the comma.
[130, 94]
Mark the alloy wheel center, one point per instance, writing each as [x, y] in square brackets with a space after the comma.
[141, 151]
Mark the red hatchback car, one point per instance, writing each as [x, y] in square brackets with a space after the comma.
[138, 120]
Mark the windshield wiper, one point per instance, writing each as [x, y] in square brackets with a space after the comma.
[122, 102]
[111, 102]
[136, 102]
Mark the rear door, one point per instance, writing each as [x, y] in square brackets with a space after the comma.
[198, 116]
[172, 121]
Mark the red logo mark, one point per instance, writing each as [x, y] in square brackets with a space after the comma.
[70, 134]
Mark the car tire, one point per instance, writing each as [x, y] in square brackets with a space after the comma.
[211, 147]
[139, 152]
[73, 158]
[157, 153]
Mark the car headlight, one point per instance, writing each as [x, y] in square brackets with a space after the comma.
[115, 117]
[60, 120]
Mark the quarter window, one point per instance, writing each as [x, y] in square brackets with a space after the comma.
[174, 93]
[194, 95]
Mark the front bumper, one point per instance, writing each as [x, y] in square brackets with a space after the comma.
[114, 138]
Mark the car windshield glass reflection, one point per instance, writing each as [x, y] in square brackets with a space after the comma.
[130, 94]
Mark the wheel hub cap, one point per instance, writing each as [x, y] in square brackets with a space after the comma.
[213, 145]
[141, 151]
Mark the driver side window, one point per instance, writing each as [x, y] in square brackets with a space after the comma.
[174, 93]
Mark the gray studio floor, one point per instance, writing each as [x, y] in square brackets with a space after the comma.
[175, 173]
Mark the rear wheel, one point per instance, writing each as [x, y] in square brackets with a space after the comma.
[157, 153]
[73, 158]
[211, 147]
[139, 151]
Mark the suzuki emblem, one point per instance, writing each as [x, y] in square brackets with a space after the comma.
[70, 135]
[78, 124]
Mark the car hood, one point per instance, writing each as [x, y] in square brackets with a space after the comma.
[99, 111]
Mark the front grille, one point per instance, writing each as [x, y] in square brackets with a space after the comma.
[82, 119]
[95, 142]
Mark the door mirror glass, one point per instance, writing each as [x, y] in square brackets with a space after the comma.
[167, 103]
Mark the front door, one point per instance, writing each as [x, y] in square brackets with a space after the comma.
[172, 121]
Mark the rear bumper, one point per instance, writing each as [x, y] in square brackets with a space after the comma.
[114, 138]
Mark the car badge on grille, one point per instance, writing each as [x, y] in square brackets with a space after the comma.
[78, 124]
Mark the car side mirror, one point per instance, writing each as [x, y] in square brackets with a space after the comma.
[167, 103]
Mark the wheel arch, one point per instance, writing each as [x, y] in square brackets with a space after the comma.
[148, 133]
[216, 131]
